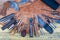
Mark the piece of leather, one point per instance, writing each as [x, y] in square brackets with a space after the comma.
[5, 6]
[58, 1]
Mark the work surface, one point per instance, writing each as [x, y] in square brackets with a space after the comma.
[34, 8]
[4, 35]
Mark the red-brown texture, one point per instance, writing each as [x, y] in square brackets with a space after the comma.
[58, 1]
[29, 10]
[5, 6]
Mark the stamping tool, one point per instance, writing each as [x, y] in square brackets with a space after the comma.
[8, 24]
[45, 25]
[31, 27]
[51, 3]
[6, 18]
[50, 23]
[11, 27]
[15, 23]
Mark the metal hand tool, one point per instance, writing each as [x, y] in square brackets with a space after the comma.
[56, 20]
[6, 18]
[35, 25]
[45, 25]
[54, 12]
[15, 23]
[31, 27]
[8, 24]
[50, 23]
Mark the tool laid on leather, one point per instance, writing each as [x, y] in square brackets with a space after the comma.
[31, 27]
[12, 21]
[35, 26]
[45, 25]
[51, 3]
[56, 20]
[54, 12]
[11, 27]
[50, 23]
[19, 24]
[15, 23]
[6, 18]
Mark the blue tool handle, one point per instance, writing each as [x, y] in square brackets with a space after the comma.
[50, 23]
[7, 17]
[57, 21]
[50, 17]
[40, 21]
[11, 27]
[8, 24]
[14, 5]
[48, 28]
[31, 28]
[23, 2]
[45, 26]
[15, 22]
